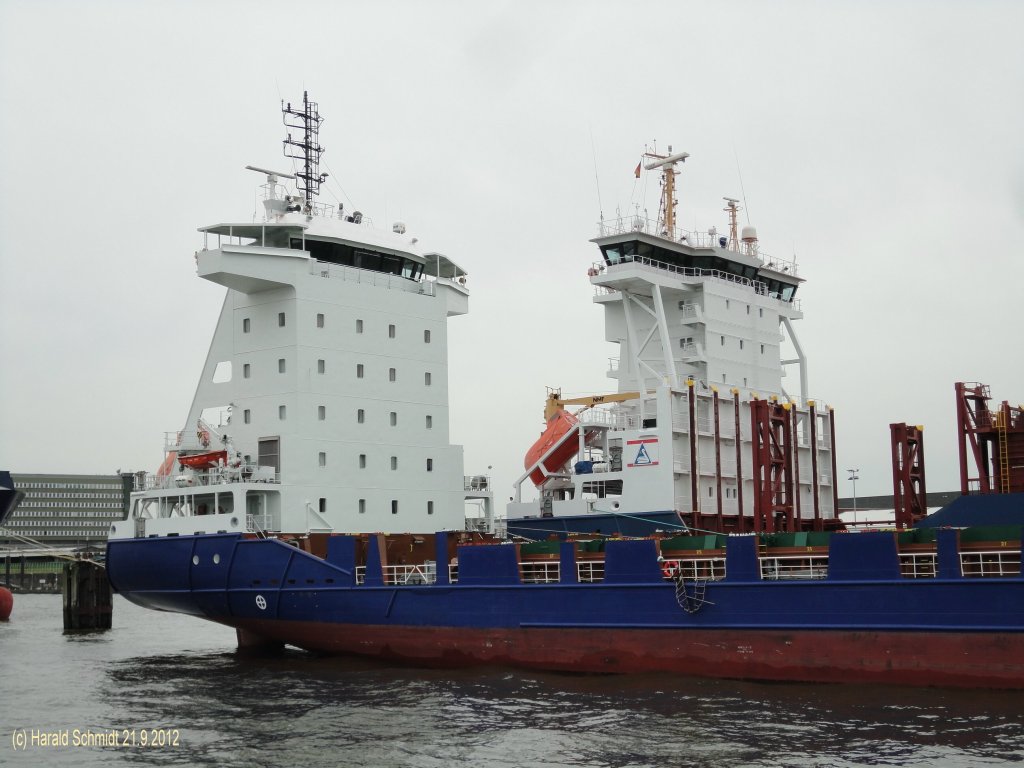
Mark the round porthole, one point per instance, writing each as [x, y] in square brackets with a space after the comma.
[216, 559]
[195, 559]
[234, 522]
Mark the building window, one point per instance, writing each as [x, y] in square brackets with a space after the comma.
[430, 507]
[430, 465]
[281, 412]
[362, 461]
[360, 416]
[246, 325]
[323, 505]
[246, 370]
[280, 319]
[359, 326]
[323, 459]
[391, 331]
[392, 374]
[362, 506]
[426, 337]
[394, 419]
[426, 378]
[394, 462]
[321, 412]
[321, 366]
[246, 415]
[430, 421]
[394, 506]
[359, 370]
[320, 320]
[280, 365]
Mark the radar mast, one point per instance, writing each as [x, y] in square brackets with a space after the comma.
[667, 208]
[308, 149]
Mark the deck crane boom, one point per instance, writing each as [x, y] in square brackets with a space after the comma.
[555, 402]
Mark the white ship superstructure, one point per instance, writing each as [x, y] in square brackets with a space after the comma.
[701, 424]
[323, 402]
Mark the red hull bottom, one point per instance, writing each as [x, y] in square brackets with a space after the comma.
[970, 660]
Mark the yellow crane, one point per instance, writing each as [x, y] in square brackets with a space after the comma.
[556, 403]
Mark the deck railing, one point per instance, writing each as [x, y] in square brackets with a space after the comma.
[785, 567]
[811, 566]
[990, 563]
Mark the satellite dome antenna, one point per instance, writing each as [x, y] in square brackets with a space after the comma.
[307, 119]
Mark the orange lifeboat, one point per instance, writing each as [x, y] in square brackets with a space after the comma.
[559, 425]
[203, 460]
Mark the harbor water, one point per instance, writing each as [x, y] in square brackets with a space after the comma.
[165, 689]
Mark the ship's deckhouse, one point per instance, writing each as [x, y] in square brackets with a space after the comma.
[704, 327]
[323, 401]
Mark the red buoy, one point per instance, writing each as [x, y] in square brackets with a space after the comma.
[6, 603]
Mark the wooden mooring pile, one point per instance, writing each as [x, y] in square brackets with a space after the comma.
[88, 598]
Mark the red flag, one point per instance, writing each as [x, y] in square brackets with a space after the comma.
[637, 171]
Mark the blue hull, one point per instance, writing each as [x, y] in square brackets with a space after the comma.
[866, 610]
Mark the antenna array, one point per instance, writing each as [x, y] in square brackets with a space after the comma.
[308, 149]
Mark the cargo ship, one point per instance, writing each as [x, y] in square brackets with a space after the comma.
[321, 417]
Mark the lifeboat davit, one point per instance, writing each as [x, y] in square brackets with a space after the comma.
[203, 460]
[558, 427]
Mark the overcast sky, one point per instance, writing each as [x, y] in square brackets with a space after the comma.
[881, 142]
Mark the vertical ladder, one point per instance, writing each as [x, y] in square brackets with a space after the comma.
[1004, 453]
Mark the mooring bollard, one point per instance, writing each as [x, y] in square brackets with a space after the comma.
[88, 598]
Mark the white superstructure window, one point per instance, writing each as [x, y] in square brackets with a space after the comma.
[360, 416]
[362, 461]
[321, 412]
[394, 418]
[280, 319]
[394, 462]
[280, 365]
[323, 459]
[362, 506]
[245, 325]
[359, 326]
[430, 507]
[430, 465]
[282, 412]
[246, 370]
[321, 366]
[430, 421]
[426, 336]
[319, 319]
[246, 415]
[426, 378]
[391, 331]
[392, 374]
[359, 370]
[394, 506]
